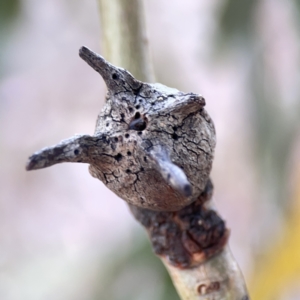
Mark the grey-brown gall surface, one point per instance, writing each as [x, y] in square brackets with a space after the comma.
[153, 145]
[186, 237]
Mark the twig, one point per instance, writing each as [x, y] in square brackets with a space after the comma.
[192, 244]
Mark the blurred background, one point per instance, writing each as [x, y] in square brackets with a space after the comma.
[63, 234]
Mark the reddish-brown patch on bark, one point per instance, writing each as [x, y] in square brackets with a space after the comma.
[186, 237]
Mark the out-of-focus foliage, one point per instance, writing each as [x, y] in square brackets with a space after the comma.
[9, 10]
[136, 275]
[297, 11]
[236, 19]
[275, 130]
[274, 136]
[279, 268]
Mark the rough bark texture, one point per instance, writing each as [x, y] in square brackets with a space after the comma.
[186, 237]
[191, 243]
[153, 145]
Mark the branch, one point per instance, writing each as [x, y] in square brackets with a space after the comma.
[153, 146]
[217, 277]
[192, 245]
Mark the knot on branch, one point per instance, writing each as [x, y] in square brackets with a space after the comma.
[153, 145]
[186, 237]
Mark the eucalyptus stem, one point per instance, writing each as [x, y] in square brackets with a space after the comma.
[218, 278]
